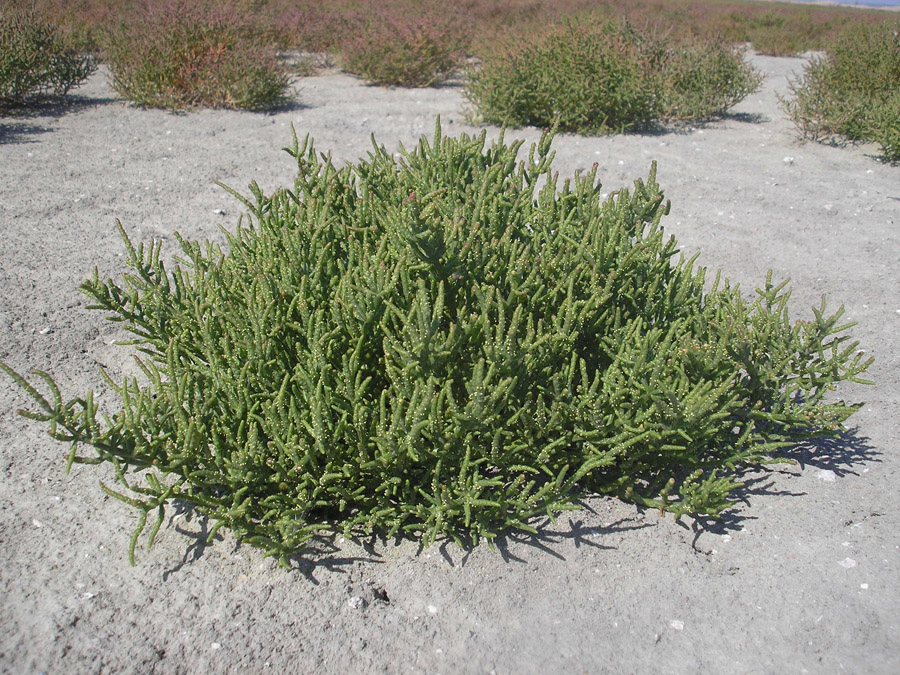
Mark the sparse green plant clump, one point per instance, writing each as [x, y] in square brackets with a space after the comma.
[584, 79]
[183, 55]
[853, 92]
[606, 77]
[390, 48]
[35, 62]
[704, 79]
[447, 344]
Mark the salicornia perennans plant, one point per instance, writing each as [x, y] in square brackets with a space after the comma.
[392, 48]
[853, 91]
[182, 55]
[447, 344]
[600, 77]
[35, 61]
[592, 78]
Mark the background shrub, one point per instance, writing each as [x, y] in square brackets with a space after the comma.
[853, 92]
[179, 54]
[391, 47]
[319, 25]
[35, 61]
[605, 77]
[705, 79]
[884, 128]
[444, 345]
[586, 78]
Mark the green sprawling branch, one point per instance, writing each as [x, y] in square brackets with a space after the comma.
[447, 344]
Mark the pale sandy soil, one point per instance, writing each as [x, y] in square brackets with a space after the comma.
[801, 578]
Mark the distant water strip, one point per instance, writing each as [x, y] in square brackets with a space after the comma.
[863, 3]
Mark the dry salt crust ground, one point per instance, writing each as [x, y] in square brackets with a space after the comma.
[801, 578]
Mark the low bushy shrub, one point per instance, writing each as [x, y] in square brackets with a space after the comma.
[35, 62]
[853, 91]
[179, 54]
[391, 48]
[774, 31]
[705, 79]
[447, 344]
[884, 128]
[605, 77]
[583, 78]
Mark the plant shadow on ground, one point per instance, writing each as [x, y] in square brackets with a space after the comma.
[868, 149]
[839, 455]
[322, 553]
[291, 103]
[747, 118]
[547, 538]
[689, 127]
[578, 533]
[15, 126]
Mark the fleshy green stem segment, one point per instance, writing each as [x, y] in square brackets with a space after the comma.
[446, 343]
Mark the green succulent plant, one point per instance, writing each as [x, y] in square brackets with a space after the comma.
[36, 62]
[444, 343]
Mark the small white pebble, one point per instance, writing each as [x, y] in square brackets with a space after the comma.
[356, 602]
[37, 523]
[847, 563]
[865, 587]
[215, 645]
[677, 625]
[789, 161]
[826, 475]
[219, 212]
[432, 609]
